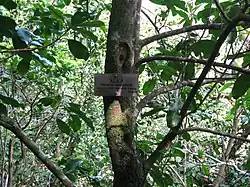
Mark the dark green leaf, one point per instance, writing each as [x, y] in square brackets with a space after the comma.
[10, 101]
[67, 2]
[78, 18]
[186, 136]
[157, 176]
[149, 86]
[87, 121]
[46, 101]
[3, 109]
[189, 71]
[78, 50]
[56, 13]
[90, 35]
[95, 23]
[168, 180]
[9, 26]
[63, 126]
[75, 122]
[203, 47]
[23, 66]
[178, 152]
[232, 36]
[9, 4]
[241, 85]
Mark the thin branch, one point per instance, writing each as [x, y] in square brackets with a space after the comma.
[216, 26]
[10, 125]
[35, 48]
[191, 60]
[169, 88]
[224, 15]
[151, 21]
[213, 132]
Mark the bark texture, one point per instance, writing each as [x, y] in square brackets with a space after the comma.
[122, 52]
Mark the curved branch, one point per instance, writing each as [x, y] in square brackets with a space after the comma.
[213, 132]
[191, 60]
[10, 125]
[216, 26]
[166, 89]
[224, 15]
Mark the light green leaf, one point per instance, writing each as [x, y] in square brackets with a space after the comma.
[149, 86]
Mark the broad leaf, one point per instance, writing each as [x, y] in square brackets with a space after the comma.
[23, 66]
[63, 126]
[46, 101]
[8, 4]
[3, 109]
[9, 26]
[78, 18]
[241, 85]
[88, 121]
[10, 101]
[78, 50]
[149, 86]
[75, 122]
[189, 71]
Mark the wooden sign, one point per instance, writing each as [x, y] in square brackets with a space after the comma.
[116, 84]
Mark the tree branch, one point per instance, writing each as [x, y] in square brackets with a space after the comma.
[213, 132]
[216, 26]
[191, 60]
[166, 89]
[10, 125]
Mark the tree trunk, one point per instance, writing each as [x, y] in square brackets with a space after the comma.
[122, 51]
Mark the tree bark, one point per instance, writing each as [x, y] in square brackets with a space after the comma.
[122, 52]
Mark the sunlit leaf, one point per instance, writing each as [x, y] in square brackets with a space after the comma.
[149, 86]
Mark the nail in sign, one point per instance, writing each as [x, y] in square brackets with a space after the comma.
[116, 84]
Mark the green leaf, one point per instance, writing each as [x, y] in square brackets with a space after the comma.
[205, 170]
[75, 122]
[78, 18]
[241, 85]
[78, 50]
[3, 109]
[95, 23]
[8, 4]
[46, 101]
[9, 26]
[63, 126]
[56, 13]
[189, 71]
[88, 121]
[67, 2]
[186, 136]
[90, 35]
[149, 86]
[10, 101]
[232, 36]
[203, 47]
[168, 180]
[23, 66]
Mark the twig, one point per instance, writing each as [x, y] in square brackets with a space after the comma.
[191, 60]
[213, 132]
